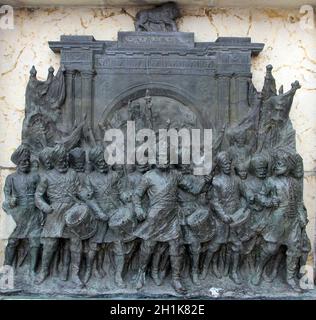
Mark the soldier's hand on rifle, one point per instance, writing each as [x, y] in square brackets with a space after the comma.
[102, 216]
[48, 209]
[13, 202]
[275, 202]
[303, 220]
[126, 196]
[42, 218]
[227, 219]
[208, 178]
[140, 214]
[251, 199]
[85, 195]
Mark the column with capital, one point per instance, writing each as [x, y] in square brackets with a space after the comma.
[87, 102]
[223, 98]
[69, 110]
[239, 96]
[86, 95]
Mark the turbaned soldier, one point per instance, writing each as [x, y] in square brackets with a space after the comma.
[55, 194]
[19, 190]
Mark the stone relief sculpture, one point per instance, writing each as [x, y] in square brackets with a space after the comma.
[161, 18]
[19, 191]
[84, 226]
[43, 101]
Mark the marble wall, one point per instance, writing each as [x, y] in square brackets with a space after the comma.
[288, 46]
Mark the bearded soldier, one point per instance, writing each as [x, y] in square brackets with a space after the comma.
[224, 195]
[250, 232]
[103, 186]
[128, 185]
[19, 190]
[45, 158]
[298, 173]
[72, 249]
[161, 223]
[285, 223]
[46, 161]
[192, 212]
[55, 194]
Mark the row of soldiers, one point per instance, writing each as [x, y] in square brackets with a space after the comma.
[247, 209]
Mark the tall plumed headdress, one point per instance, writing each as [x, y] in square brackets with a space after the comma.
[95, 153]
[77, 154]
[59, 152]
[286, 155]
[45, 154]
[22, 152]
[294, 159]
[221, 156]
[259, 159]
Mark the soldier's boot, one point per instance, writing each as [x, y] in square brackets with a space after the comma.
[302, 262]
[90, 260]
[46, 260]
[275, 269]
[75, 268]
[206, 264]
[195, 276]
[155, 268]
[155, 276]
[9, 255]
[119, 266]
[176, 271]
[216, 271]
[141, 276]
[235, 272]
[227, 261]
[251, 262]
[33, 263]
[256, 278]
[64, 272]
[65, 268]
[291, 267]
[195, 269]
[100, 273]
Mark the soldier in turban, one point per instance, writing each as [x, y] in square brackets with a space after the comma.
[160, 222]
[286, 221]
[225, 198]
[19, 193]
[103, 185]
[45, 158]
[55, 194]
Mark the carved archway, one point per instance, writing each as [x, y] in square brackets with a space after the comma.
[155, 89]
